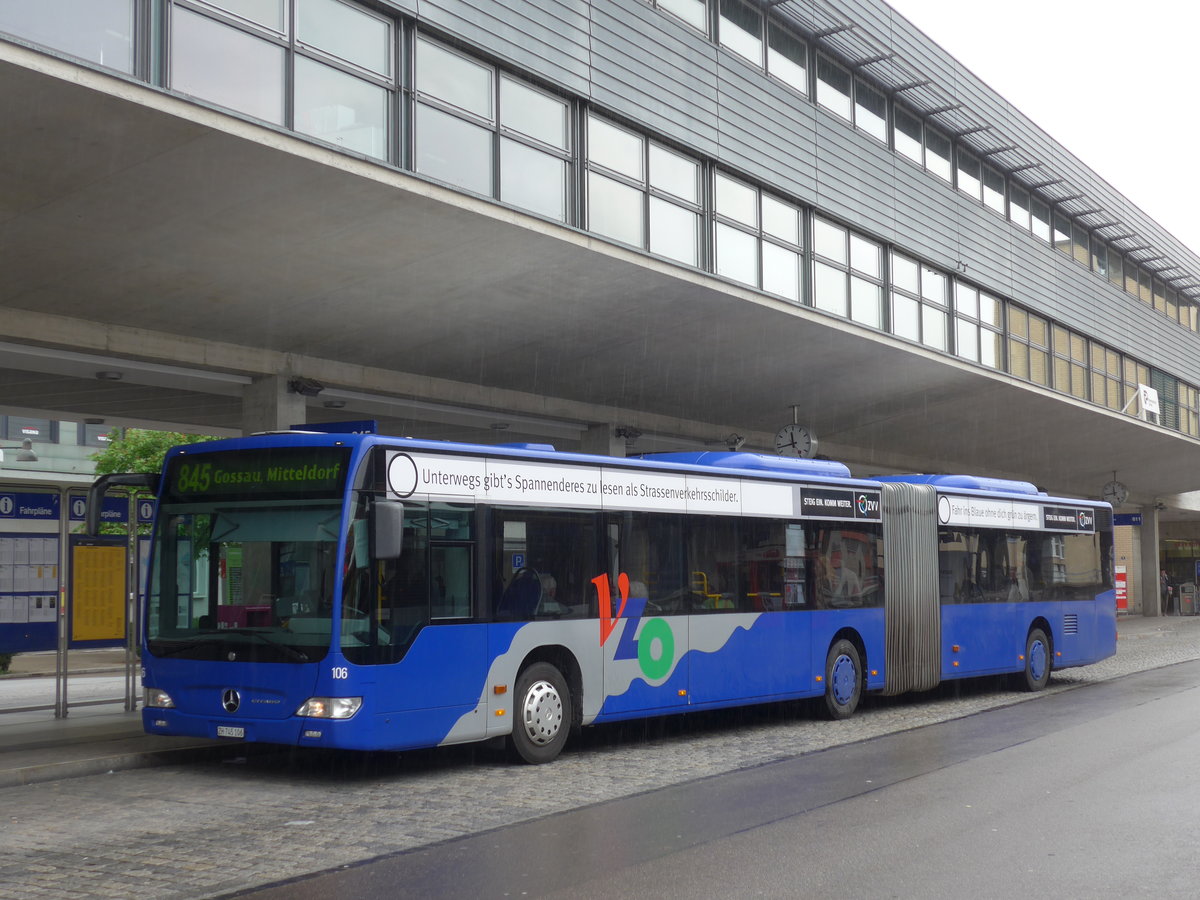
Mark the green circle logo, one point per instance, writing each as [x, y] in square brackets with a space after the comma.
[656, 635]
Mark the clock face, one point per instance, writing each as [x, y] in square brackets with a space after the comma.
[795, 440]
[1115, 493]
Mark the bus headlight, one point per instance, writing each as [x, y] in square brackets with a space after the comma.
[329, 707]
[157, 699]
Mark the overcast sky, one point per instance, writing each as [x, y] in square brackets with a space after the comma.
[1114, 83]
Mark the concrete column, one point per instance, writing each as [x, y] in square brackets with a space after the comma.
[602, 440]
[268, 405]
[1150, 564]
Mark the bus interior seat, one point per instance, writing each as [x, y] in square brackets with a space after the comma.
[521, 598]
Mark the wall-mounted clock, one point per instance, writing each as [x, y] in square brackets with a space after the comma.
[1115, 493]
[795, 440]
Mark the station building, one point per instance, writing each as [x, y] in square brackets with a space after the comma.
[619, 226]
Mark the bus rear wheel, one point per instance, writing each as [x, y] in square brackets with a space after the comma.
[1037, 662]
[541, 715]
[843, 680]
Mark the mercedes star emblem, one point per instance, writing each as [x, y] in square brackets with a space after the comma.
[231, 700]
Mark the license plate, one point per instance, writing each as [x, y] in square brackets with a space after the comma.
[231, 731]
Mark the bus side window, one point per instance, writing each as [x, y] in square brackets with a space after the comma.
[451, 580]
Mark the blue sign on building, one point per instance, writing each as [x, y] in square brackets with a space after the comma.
[115, 509]
[29, 506]
[1128, 519]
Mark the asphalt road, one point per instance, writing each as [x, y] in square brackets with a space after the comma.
[694, 784]
[1087, 793]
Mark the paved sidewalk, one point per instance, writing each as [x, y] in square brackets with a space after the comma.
[35, 747]
[92, 739]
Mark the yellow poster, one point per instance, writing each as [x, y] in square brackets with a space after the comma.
[98, 578]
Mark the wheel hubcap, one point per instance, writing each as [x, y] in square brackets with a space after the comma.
[542, 712]
[843, 679]
[1037, 660]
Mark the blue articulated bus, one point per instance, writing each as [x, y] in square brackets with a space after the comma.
[357, 591]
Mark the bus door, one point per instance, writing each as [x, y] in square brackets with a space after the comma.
[986, 585]
[750, 634]
[644, 597]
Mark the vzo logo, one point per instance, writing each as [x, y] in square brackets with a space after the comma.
[653, 648]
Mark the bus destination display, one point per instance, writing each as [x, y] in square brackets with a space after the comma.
[281, 472]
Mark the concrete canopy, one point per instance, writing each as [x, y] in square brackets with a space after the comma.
[189, 252]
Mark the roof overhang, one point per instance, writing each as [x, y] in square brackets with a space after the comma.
[192, 251]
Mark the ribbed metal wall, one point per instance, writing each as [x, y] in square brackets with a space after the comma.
[914, 633]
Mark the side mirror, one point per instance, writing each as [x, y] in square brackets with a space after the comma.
[387, 528]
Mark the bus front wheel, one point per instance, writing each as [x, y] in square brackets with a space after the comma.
[541, 714]
[843, 680]
[1037, 662]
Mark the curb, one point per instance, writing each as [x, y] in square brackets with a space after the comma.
[107, 763]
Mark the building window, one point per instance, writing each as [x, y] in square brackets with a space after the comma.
[787, 58]
[1070, 363]
[1018, 207]
[1106, 376]
[1131, 277]
[534, 147]
[1079, 244]
[466, 113]
[617, 172]
[833, 87]
[1039, 216]
[993, 190]
[99, 31]
[340, 64]
[758, 238]
[693, 12]
[978, 329]
[342, 92]
[970, 175]
[1099, 257]
[675, 208]
[250, 78]
[847, 273]
[1135, 374]
[937, 154]
[19, 428]
[1160, 295]
[870, 110]
[1168, 398]
[919, 303]
[95, 435]
[1145, 289]
[1060, 236]
[906, 134]
[638, 189]
[1189, 413]
[1028, 346]
[1116, 271]
[741, 29]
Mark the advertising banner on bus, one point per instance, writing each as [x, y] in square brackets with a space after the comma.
[504, 481]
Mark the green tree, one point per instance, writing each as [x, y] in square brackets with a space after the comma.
[139, 450]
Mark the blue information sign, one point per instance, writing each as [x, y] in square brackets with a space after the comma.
[115, 509]
[29, 506]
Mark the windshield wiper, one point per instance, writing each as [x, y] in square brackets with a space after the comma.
[291, 651]
[176, 648]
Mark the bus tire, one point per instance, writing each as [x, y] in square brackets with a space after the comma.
[1037, 662]
[541, 715]
[843, 680]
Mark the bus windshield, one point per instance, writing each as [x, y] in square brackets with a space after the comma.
[250, 581]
